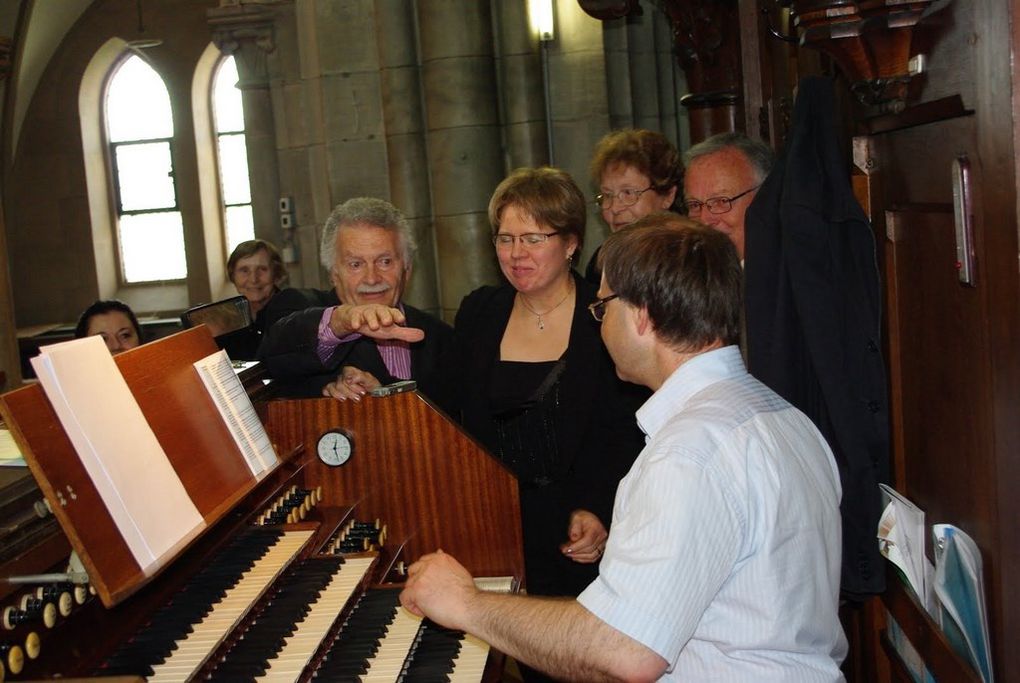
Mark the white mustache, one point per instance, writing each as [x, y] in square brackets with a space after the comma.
[373, 289]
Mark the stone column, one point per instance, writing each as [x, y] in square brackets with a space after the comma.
[644, 79]
[10, 360]
[463, 136]
[404, 131]
[245, 31]
[519, 67]
[581, 103]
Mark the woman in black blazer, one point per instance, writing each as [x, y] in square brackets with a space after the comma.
[536, 386]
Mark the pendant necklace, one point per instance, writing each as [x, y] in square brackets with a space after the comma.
[541, 323]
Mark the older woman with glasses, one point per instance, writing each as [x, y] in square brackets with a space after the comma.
[637, 173]
[536, 385]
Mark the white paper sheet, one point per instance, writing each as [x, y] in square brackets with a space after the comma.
[118, 449]
[238, 413]
[901, 541]
[960, 588]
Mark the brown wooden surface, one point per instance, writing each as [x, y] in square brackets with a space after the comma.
[925, 635]
[952, 350]
[176, 405]
[170, 392]
[415, 470]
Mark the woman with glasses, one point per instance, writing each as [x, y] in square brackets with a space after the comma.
[637, 173]
[536, 386]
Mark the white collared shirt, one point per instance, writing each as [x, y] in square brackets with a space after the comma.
[724, 556]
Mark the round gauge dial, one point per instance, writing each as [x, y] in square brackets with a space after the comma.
[335, 447]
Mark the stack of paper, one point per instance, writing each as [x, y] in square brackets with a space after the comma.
[10, 455]
[115, 444]
[901, 541]
[238, 413]
[960, 589]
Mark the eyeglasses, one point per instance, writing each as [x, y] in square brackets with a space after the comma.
[624, 198]
[715, 204]
[528, 239]
[598, 307]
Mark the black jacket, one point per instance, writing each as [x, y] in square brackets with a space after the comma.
[289, 346]
[598, 439]
[813, 316]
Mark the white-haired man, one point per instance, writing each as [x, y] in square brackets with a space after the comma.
[319, 341]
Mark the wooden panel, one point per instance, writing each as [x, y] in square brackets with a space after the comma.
[176, 405]
[937, 341]
[432, 484]
[925, 635]
[60, 473]
[184, 418]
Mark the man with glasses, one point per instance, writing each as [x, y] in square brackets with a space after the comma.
[322, 342]
[723, 558]
[723, 173]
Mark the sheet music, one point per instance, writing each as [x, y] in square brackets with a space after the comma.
[959, 585]
[238, 413]
[118, 449]
[10, 455]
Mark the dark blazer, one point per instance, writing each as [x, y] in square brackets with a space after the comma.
[813, 314]
[244, 344]
[598, 438]
[592, 273]
[289, 346]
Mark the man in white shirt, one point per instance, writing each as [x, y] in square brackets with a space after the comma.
[724, 557]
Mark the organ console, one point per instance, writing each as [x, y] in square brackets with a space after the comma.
[296, 573]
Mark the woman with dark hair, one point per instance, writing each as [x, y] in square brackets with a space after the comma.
[637, 173]
[114, 321]
[537, 387]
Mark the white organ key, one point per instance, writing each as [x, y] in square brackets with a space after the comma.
[298, 649]
[393, 648]
[469, 664]
[196, 648]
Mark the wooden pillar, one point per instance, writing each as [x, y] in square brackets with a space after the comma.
[707, 38]
[10, 362]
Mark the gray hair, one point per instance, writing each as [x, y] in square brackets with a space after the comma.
[757, 153]
[372, 211]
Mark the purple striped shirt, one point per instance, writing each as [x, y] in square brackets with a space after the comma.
[396, 354]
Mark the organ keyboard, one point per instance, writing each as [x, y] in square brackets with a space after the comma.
[280, 586]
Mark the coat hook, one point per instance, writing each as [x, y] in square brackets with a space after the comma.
[772, 30]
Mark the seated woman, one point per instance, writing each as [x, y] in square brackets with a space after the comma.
[114, 321]
[536, 386]
[637, 172]
[257, 271]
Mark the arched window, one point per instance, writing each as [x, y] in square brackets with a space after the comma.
[140, 129]
[228, 116]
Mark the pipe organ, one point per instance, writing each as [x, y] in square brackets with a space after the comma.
[295, 573]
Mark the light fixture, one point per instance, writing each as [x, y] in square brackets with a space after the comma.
[142, 43]
[540, 13]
